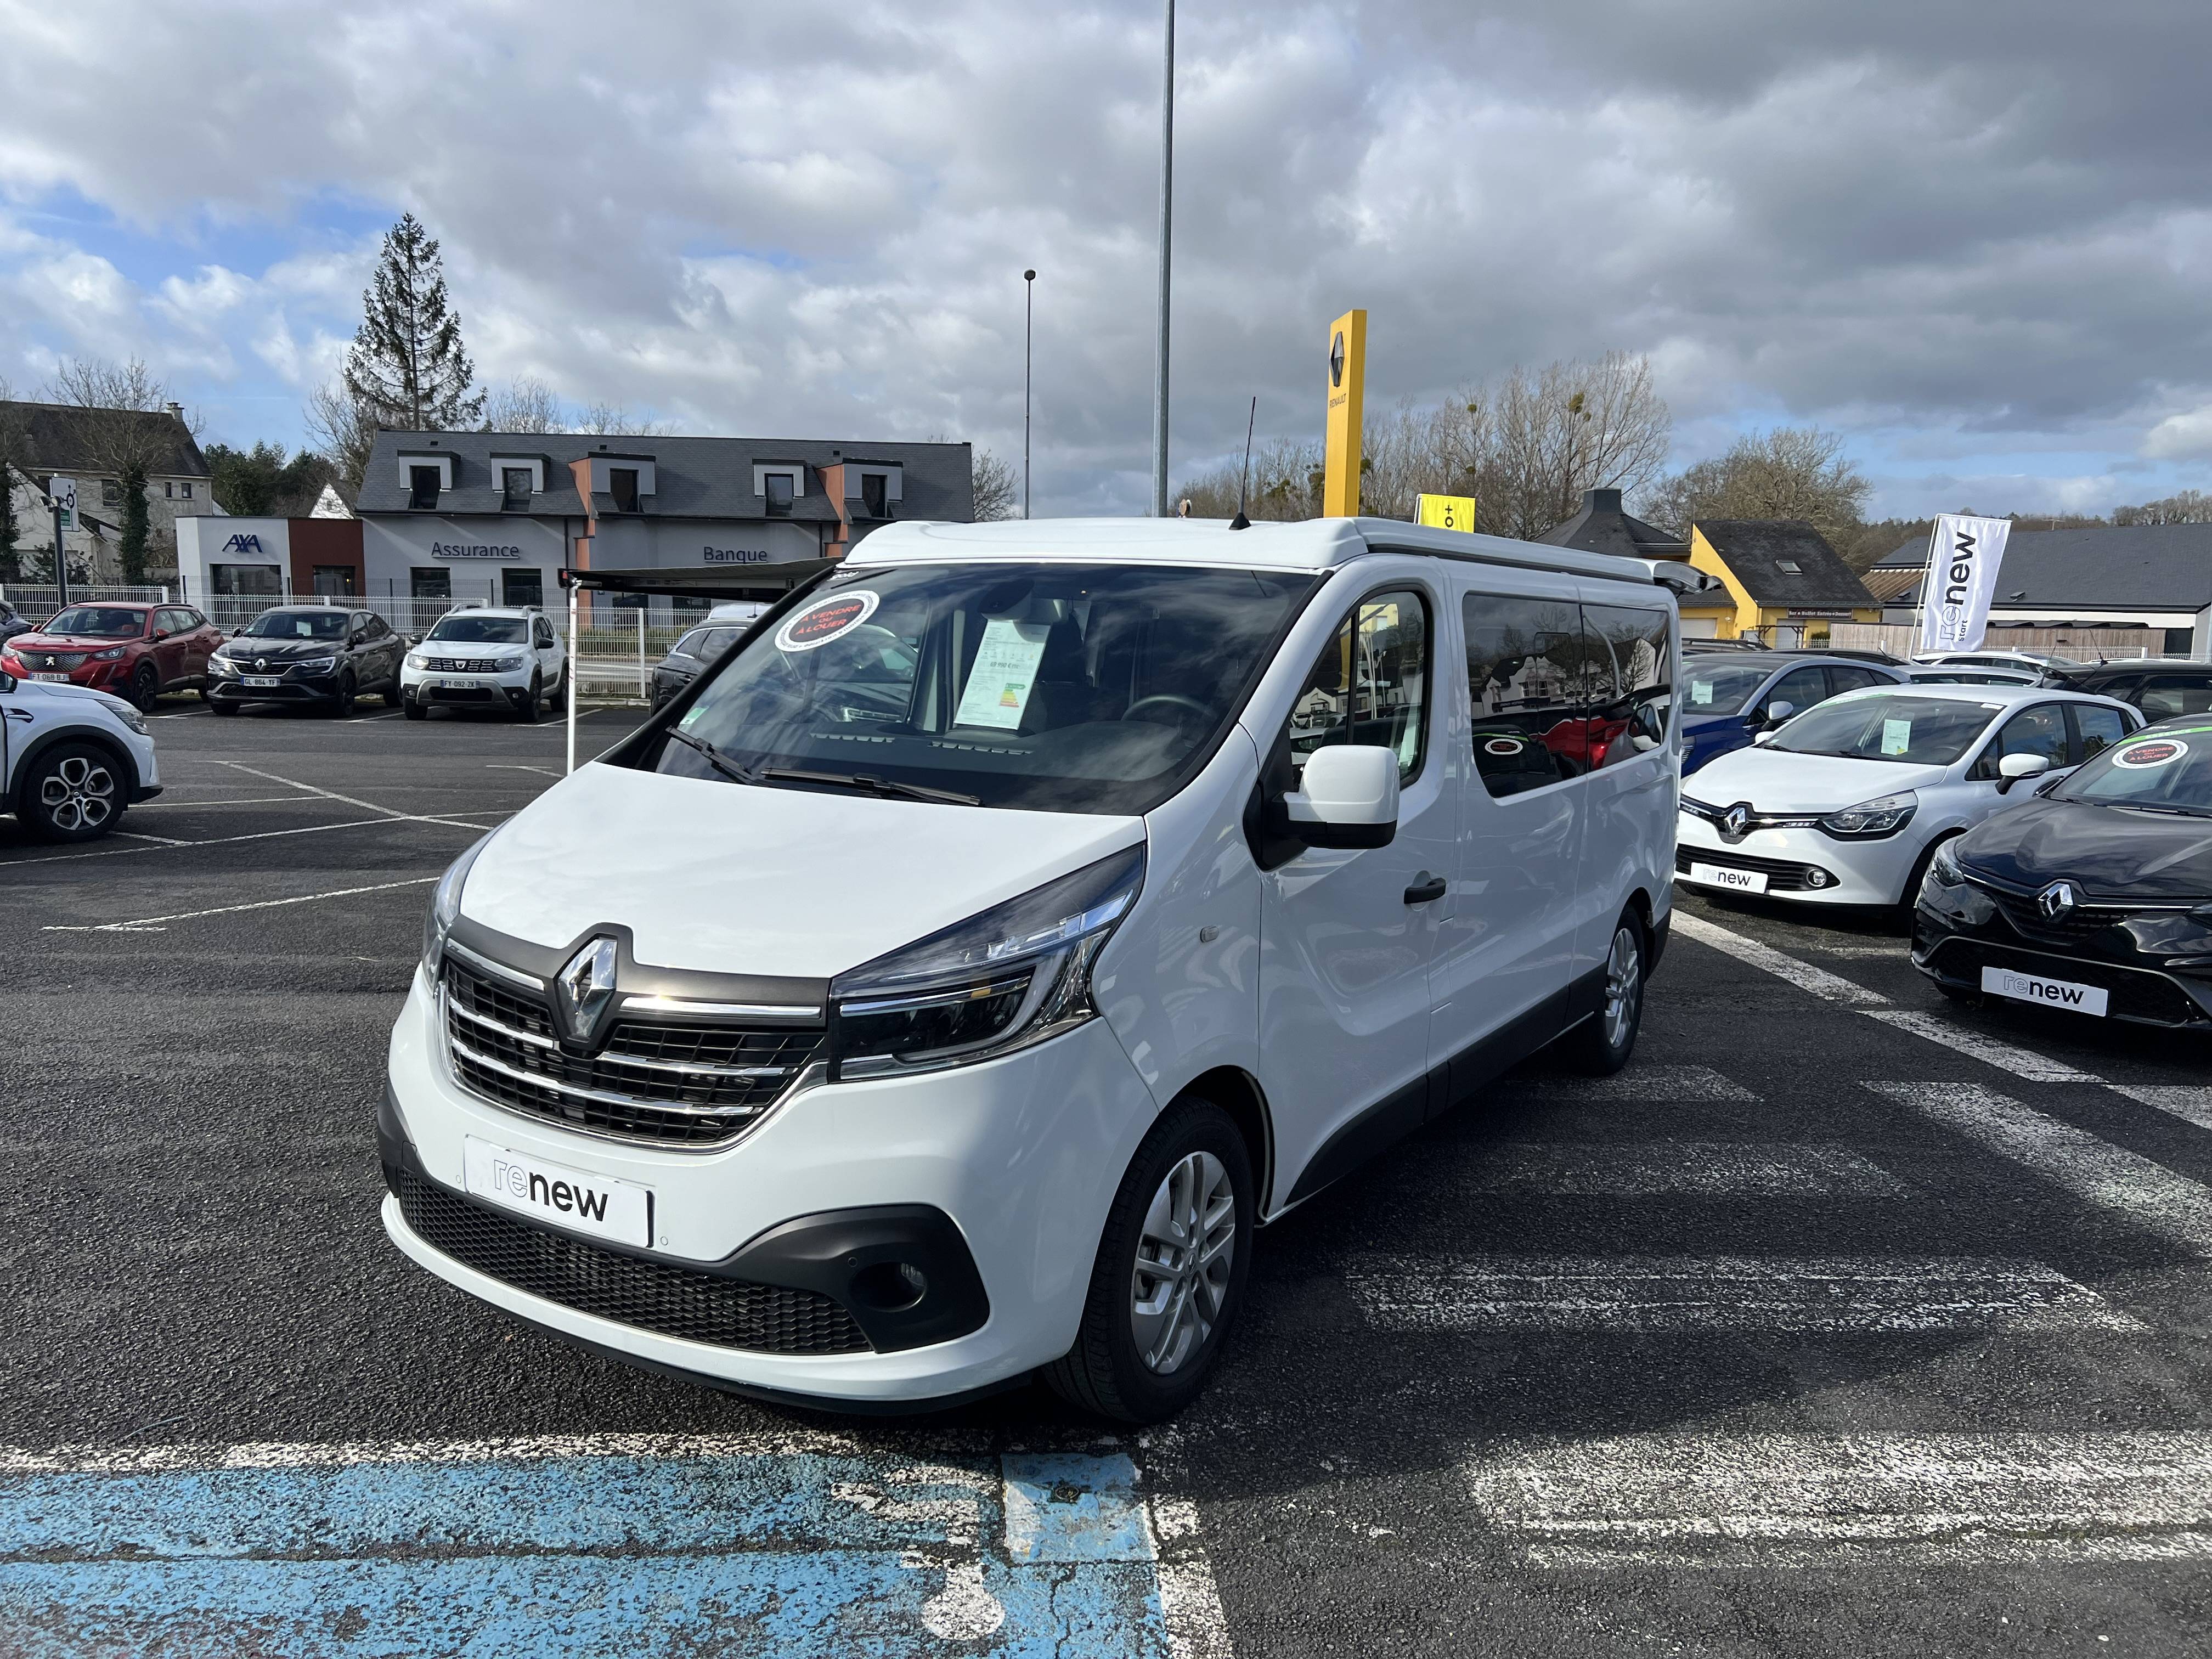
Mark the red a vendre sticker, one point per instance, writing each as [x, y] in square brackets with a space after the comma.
[819, 624]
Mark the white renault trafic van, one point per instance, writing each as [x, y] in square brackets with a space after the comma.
[945, 984]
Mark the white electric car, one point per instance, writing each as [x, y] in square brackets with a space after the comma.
[510, 659]
[72, 760]
[1846, 803]
[947, 982]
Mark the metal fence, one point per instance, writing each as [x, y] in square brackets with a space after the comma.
[2084, 644]
[38, 600]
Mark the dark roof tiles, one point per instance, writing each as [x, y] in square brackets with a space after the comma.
[1757, 552]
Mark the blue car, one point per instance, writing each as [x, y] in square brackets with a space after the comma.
[1728, 698]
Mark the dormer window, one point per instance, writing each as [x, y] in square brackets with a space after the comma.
[874, 492]
[622, 486]
[515, 489]
[422, 486]
[781, 488]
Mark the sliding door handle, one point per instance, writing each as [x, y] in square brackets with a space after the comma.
[1425, 888]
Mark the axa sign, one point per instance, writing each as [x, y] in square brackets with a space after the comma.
[243, 543]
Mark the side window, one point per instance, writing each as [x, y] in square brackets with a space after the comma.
[1801, 688]
[1843, 679]
[1634, 647]
[2099, 728]
[1527, 669]
[1369, 685]
[2038, 730]
[689, 644]
[2164, 695]
[544, 633]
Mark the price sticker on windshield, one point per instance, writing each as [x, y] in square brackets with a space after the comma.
[827, 619]
[1896, 737]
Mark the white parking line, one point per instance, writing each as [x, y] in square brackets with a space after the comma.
[1874, 1295]
[1691, 1500]
[502, 766]
[249, 800]
[1648, 1169]
[2136, 1189]
[133, 835]
[2189, 1103]
[332, 794]
[152, 924]
[363, 720]
[259, 835]
[2022, 1062]
[1646, 1083]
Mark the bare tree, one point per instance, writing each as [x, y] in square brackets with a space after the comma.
[998, 491]
[527, 404]
[1790, 472]
[607, 420]
[344, 429]
[117, 422]
[1553, 434]
[2189, 506]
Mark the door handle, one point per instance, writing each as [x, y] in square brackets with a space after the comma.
[1425, 888]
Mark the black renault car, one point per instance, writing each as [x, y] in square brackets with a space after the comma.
[2095, 897]
[2162, 687]
[323, 655]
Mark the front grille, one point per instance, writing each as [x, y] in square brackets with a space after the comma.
[2135, 993]
[52, 661]
[686, 1083]
[2074, 925]
[1783, 876]
[653, 1296]
[462, 666]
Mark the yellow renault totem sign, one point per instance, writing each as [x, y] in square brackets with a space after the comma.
[1347, 371]
[1444, 512]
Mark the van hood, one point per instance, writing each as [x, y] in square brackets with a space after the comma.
[739, 878]
[1776, 781]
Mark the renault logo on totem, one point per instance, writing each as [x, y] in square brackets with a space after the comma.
[2056, 900]
[585, 986]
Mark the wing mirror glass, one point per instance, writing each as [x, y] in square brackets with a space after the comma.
[1347, 796]
[7, 682]
[2014, 768]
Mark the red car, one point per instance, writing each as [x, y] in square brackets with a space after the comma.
[136, 651]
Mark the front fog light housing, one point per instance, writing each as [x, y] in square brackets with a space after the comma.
[1014, 975]
[446, 905]
[1872, 820]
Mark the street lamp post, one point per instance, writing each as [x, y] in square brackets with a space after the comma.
[1028, 332]
[1167, 226]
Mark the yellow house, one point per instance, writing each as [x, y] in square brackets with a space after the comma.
[1782, 583]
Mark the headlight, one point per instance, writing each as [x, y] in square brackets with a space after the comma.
[1870, 820]
[512, 665]
[1944, 867]
[417, 660]
[223, 664]
[317, 665]
[114, 654]
[1016, 975]
[446, 905]
[132, 718]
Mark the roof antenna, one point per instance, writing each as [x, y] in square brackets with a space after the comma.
[1244, 486]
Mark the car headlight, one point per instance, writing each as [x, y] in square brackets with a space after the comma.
[1870, 820]
[417, 660]
[513, 665]
[132, 718]
[221, 664]
[1017, 973]
[446, 905]
[316, 665]
[1944, 866]
[113, 653]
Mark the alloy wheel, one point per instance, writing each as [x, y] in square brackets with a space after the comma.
[1624, 986]
[1179, 1289]
[78, 794]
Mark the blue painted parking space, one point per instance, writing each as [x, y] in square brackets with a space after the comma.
[791, 1546]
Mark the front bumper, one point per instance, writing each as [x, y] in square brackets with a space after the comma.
[1020, 1156]
[1801, 865]
[455, 691]
[111, 676]
[1957, 932]
[223, 688]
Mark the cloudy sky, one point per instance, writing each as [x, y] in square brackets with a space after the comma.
[1974, 237]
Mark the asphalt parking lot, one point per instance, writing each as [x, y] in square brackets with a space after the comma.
[1845, 1322]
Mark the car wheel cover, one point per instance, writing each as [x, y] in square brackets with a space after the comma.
[78, 794]
[1186, 1250]
[1624, 986]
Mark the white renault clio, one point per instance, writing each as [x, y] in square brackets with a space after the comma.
[944, 986]
[1846, 803]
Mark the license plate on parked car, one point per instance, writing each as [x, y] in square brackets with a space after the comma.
[53, 679]
[555, 1193]
[1740, 881]
[457, 685]
[2065, 993]
[264, 680]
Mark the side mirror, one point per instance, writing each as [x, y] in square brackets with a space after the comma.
[1349, 798]
[161, 634]
[2014, 768]
[1779, 712]
[1761, 739]
[7, 682]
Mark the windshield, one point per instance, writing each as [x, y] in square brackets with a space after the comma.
[297, 625]
[2170, 768]
[1721, 687]
[480, 630]
[1888, 726]
[98, 622]
[1048, 687]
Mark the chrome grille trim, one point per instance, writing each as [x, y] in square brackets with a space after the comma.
[617, 1057]
[797, 1013]
[605, 1098]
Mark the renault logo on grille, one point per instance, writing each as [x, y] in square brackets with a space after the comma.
[1736, 820]
[2056, 900]
[261, 662]
[585, 986]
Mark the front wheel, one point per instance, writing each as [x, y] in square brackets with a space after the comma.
[558, 702]
[217, 705]
[527, 714]
[146, 688]
[74, 793]
[413, 708]
[342, 708]
[1171, 1270]
[1601, 1044]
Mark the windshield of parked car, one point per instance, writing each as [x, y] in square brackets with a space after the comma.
[1887, 725]
[98, 622]
[465, 629]
[2165, 767]
[1721, 687]
[297, 625]
[1070, 688]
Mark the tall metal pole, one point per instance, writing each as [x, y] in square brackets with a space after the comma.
[1167, 228]
[1028, 332]
[60, 560]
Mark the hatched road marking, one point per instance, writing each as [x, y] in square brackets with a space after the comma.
[2189, 1103]
[1645, 1168]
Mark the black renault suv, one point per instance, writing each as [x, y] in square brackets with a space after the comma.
[323, 655]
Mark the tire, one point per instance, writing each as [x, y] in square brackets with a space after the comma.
[1601, 1044]
[528, 713]
[74, 792]
[1192, 1160]
[341, 708]
[1910, 897]
[207, 693]
[146, 688]
[558, 702]
[216, 706]
[414, 708]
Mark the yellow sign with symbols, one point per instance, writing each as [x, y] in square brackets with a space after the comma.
[1444, 512]
[1347, 371]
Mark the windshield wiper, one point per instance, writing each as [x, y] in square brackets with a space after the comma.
[873, 785]
[715, 758]
[2149, 806]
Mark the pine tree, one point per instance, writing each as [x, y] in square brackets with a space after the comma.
[132, 533]
[407, 363]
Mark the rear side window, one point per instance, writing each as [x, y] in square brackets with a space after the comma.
[1801, 688]
[1842, 679]
[1369, 683]
[2164, 695]
[1630, 719]
[1528, 671]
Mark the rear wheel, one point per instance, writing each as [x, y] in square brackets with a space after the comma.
[74, 793]
[1601, 1045]
[146, 687]
[1169, 1275]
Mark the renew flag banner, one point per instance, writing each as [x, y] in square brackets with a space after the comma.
[1963, 556]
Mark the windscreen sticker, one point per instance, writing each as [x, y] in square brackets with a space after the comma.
[1701, 691]
[1503, 748]
[823, 621]
[2152, 752]
[1896, 737]
[1005, 674]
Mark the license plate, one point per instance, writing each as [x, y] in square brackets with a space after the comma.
[53, 679]
[2044, 992]
[264, 679]
[552, 1192]
[1738, 881]
[457, 685]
